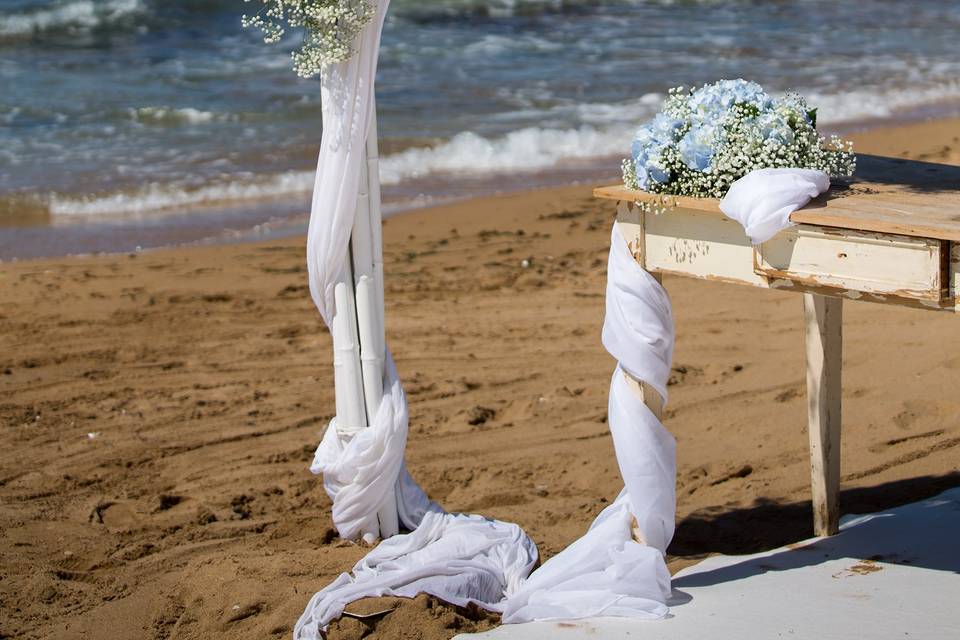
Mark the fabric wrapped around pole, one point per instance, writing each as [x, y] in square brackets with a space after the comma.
[467, 558]
[347, 94]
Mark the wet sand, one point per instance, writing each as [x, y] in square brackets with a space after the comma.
[160, 410]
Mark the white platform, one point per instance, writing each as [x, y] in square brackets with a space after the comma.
[894, 574]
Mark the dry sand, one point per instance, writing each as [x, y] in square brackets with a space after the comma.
[159, 413]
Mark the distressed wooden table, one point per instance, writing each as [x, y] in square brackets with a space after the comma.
[891, 235]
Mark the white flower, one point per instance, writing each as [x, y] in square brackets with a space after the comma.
[330, 26]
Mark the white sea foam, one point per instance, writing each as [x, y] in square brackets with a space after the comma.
[528, 149]
[159, 197]
[170, 115]
[864, 104]
[509, 8]
[84, 14]
[494, 45]
[606, 131]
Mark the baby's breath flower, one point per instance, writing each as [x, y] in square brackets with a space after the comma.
[330, 28]
[705, 139]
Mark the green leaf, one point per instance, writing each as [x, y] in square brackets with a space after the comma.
[812, 114]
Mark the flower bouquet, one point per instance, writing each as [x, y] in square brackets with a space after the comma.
[705, 139]
[330, 28]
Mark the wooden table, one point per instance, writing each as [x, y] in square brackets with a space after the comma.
[890, 235]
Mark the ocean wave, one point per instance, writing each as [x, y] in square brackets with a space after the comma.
[453, 10]
[598, 131]
[608, 128]
[878, 102]
[174, 116]
[529, 149]
[159, 197]
[497, 45]
[79, 14]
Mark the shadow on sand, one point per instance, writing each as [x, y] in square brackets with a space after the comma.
[769, 525]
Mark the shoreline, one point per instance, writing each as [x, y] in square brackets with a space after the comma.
[285, 220]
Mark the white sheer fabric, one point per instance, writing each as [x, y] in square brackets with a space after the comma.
[763, 200]
[606, 572]
[467, 558]
[347, 93]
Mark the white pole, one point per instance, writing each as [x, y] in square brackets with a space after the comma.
[376, 222]
[366, 256]
[389, 520]
[371, 358]
[351, 414]
[347, 377]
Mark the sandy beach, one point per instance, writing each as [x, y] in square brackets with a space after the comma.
[160, 411]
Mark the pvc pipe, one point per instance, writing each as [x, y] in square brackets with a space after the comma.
[371, 358]
[367, 256]
[361, 243]
[376, 221]
[351, 413]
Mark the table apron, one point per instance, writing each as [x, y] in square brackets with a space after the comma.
[859, 265]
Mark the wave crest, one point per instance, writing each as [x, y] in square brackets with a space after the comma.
[79, 14]
[160, 197]
[529, 149]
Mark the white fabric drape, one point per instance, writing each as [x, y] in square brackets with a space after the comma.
[468, 558]
[763, 200]
[606, 572]
[464, 558]
[347, 96]
[459, 558]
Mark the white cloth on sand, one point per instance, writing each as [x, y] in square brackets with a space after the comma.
[467, 558]
[763, 200]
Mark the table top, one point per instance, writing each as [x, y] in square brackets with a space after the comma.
[886, 195]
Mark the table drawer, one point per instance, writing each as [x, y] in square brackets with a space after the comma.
[876, 263]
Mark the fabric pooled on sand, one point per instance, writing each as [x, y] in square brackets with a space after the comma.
[463, 558]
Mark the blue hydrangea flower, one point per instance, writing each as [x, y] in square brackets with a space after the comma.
[774, 127]
[656, 170]
[642, 178]
[704, 139]
[660, 131]
[712, 101]
[650, 166]
[698, 145]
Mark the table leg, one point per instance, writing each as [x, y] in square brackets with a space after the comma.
[823, 318]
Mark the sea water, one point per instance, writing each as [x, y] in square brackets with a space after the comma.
[128, 123]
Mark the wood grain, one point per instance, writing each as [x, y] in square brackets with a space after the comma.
[823, 318]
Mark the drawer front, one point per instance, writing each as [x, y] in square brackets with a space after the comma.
[876, 263]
